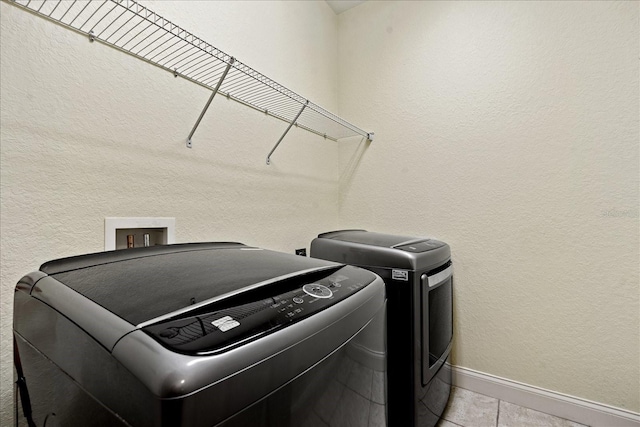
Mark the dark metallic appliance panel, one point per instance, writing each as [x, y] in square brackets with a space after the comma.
[417, 275]
[368, 250]
[235, 320]
[143, 378]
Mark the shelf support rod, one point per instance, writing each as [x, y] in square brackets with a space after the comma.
[293, 122]
[215, 90]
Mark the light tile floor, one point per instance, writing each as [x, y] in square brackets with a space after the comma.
[469, 409]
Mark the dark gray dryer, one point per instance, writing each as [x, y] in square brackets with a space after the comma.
[418, 277]
[211, 334]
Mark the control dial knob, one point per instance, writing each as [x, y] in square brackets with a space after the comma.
[316, 290]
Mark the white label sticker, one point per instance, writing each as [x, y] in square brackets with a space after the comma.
[228, 325]
[220, 321]
[400, 275]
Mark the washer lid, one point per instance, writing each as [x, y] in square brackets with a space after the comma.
[142, 284]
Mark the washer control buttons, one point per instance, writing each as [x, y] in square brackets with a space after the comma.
[298, 300]
[316, 290]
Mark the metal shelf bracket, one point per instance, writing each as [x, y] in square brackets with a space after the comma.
[286, 131]
[215, 90]
[135, 30]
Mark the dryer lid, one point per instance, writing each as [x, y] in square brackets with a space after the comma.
[370, 238]
[377, 250]
[367, 238]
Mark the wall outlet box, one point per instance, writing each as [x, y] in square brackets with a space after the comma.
[122, 233]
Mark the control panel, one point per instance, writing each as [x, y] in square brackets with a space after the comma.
[424, 246]
[229, 324]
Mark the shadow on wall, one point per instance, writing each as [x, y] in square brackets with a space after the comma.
[350, 167]
[143, 160]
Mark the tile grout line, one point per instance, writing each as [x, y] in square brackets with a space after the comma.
[370, 400]
[498, 414]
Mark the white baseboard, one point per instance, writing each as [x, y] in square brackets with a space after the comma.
[547, 401]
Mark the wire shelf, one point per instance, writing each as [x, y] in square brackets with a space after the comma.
[134, 29]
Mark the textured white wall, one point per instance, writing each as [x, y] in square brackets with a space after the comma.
[88, 132]
[509, 130]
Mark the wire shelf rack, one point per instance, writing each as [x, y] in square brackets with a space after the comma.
[134, 29]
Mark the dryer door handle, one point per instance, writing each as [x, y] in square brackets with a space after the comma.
[440, 277]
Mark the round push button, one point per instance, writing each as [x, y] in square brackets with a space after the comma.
[316, 290]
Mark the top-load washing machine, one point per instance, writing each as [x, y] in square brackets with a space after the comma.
[418, 277]
[212, 334]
